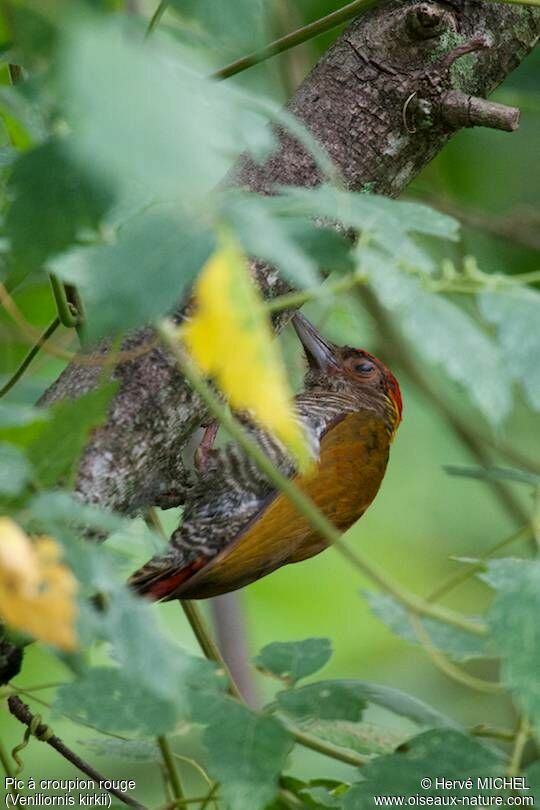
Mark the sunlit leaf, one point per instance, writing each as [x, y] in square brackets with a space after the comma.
[230, 338]
[37, 592]
[292, 660]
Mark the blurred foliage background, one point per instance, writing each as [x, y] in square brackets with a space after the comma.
[422, 517]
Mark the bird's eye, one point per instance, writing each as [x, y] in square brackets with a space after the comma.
[365, 367]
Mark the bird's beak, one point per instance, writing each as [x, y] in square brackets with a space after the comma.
[320, 353]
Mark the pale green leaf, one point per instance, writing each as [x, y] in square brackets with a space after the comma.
[457, 643]
[444, 334]
[290, 661]
[516, 315]
[15, 470]
[515, 630]
[324, 700]
[128, 283]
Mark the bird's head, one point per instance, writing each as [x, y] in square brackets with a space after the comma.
[350, 371]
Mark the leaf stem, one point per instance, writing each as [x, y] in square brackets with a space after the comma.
[168, 333]
[457, 578]
[322, 746]
[6, 764]
[156, 16]
[294, 38]
[295, 300]
[446, 666]
[522, 736]
[485, 730]
[18, 373]
[170, 767]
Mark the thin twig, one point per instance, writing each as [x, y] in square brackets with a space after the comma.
[170, 767]
[18, 373]
[168, 333]
[294, 38]
[42, 732]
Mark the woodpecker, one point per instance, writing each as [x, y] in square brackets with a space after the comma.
[237, 527]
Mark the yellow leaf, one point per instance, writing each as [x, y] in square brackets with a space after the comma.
[230, 339]
[37, 592]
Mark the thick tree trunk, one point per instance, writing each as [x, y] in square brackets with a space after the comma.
[382, 102]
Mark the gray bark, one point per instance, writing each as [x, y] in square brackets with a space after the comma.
[375, 102]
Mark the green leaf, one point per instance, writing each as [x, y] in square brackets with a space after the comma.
[64, 509]
[296, 245]
[109, 700]
[324, 700]
[133, 750]
[363, 738]
[494, 474]
[292, 660]
[265, 236]
[15, 470]
[318, 796]
[246, 754]
[432, 755]
[128, 283]
[54, 446]
[457, 643]
[385, 224]
[141, 112]
[227, 29]
[402, 704]
[443, 334]
[54, 200]
[16, 414]
[516, 315]
[515, 630]
[532, 776]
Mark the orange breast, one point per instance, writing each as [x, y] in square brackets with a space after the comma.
[353, 458]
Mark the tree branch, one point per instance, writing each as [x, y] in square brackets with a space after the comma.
[42, 732]
[353, 103]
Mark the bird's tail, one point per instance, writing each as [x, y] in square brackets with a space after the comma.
[161, 579]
